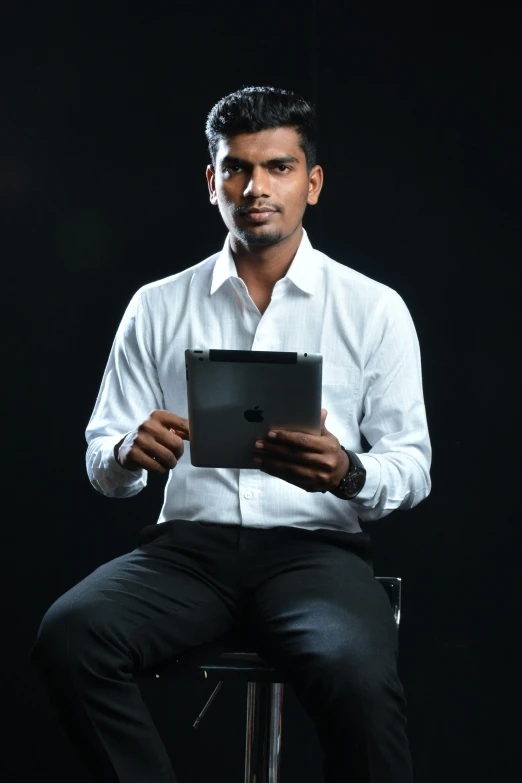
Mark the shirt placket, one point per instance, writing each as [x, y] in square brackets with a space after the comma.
[250, 484]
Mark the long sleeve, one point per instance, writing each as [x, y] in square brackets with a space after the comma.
[394, 417]
[129, 392]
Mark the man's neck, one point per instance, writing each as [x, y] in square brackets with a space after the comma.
[261, 268]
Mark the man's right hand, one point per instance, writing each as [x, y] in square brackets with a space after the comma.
[156, 445]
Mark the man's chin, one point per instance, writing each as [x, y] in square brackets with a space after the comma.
[253, 238]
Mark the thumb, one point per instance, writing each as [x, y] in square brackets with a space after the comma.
[324, 414]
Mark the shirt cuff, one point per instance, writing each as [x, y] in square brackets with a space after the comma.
[114, 480]
[373, 478]
[111, 464]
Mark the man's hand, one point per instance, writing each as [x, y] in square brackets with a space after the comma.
[316, 463]
[156, 445]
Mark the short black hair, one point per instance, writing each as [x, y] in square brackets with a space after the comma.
[254, 109]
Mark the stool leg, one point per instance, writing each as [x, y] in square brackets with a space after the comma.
[263, 732]
[275, 731]
[252, 739]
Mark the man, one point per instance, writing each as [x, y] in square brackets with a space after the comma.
[279, 549]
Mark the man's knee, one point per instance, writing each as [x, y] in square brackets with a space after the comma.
[355, 668]
[69, 635]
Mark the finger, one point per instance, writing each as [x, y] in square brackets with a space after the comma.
[151, 464]
[170, 420]
[324, 414]
[291, 439]
[161, 455]
[302, 477]
[180, 433]
[284, 471]
[179, 425]
[175, 443]
[287, 454]
[168, 439]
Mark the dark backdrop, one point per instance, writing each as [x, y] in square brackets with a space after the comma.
[102, 159]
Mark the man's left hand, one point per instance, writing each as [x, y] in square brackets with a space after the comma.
[316, 463]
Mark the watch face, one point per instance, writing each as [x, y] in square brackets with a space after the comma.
[355, 483]
[355, 479]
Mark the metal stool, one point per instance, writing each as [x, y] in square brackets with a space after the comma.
[234, 658]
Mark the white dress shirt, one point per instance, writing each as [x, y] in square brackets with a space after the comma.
[371, 385]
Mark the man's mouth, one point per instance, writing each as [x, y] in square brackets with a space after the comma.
[260, 215]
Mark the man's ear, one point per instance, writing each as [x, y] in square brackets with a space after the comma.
[211, 182]
[315, 184]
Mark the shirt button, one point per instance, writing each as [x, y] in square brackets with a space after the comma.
[247, 495]
[258, 337]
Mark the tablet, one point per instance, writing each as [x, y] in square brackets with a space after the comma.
[235, 397]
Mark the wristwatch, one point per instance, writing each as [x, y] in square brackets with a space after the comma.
[352, 483]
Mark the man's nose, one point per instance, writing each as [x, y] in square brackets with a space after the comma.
[258, 184]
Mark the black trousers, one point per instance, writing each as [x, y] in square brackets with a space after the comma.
[310, 599]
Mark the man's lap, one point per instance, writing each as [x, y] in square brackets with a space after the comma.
[297, 591]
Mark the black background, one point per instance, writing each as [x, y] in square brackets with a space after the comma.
[102, 161]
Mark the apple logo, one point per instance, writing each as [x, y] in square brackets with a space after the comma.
[254, 414]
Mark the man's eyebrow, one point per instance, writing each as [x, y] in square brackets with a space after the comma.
[231, 160]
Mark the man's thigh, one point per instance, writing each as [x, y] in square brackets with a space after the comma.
[315, 600]
[166, 596]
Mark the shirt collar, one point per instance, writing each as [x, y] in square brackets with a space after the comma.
[302, 271]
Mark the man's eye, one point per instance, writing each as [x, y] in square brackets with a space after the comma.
[233, 169]
[282, 168]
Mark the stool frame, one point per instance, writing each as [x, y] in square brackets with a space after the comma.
[234, 658]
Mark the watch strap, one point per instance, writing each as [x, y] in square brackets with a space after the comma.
[353, 482]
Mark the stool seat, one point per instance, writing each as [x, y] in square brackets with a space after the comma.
[232, 657]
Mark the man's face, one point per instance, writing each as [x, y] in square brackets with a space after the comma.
[261, 185]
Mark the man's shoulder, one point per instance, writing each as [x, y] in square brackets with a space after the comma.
[179, 280]
[347, 278]
[169, 293]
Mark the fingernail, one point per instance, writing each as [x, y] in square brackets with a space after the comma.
[272, 434]
[259, 444]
